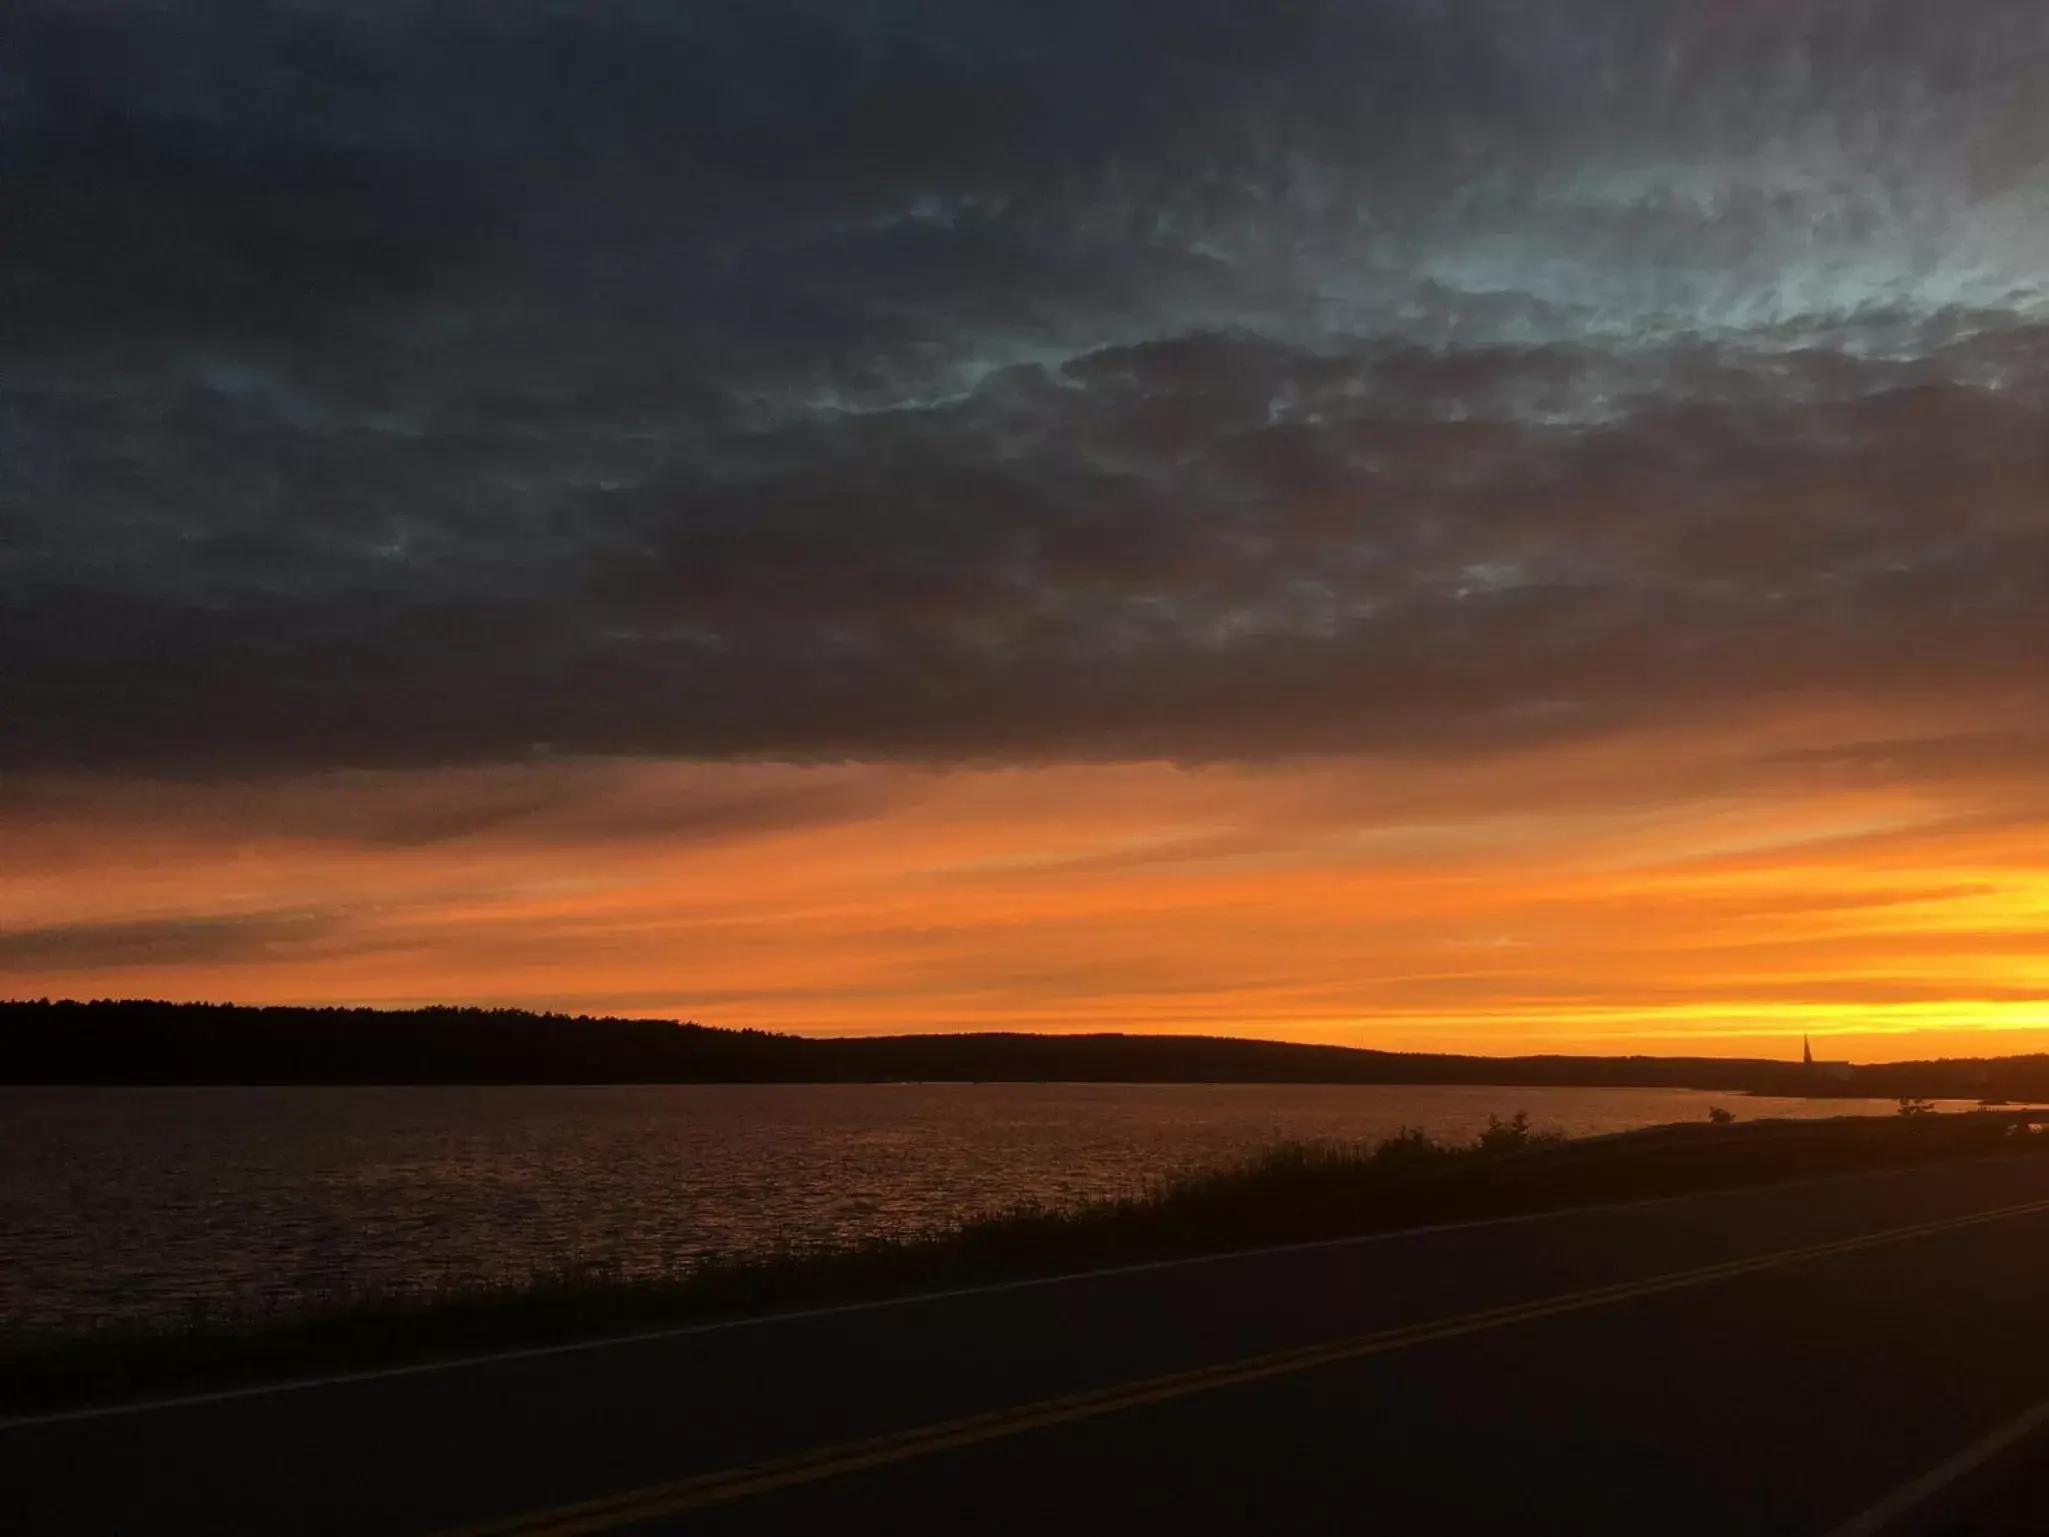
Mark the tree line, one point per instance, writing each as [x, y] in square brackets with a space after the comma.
[136, 1041]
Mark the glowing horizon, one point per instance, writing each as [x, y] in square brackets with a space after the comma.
[1481, 526]
[1679, 892]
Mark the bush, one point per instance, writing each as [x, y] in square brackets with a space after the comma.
[1515, 1132]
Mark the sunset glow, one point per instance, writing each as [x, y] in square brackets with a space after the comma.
[1471, 526]
[1672, 892]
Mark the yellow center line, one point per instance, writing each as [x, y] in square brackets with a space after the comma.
[668, 1499]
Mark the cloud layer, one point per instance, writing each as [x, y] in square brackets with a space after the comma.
[419, 384]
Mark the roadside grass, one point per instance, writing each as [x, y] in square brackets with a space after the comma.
[1292, 1193]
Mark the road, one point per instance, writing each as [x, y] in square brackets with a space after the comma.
[1755, 1362]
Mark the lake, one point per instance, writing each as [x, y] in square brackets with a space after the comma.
[152, 1203]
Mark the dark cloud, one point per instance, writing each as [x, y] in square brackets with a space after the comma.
[420, 383]
[240, 940]
[579, 803]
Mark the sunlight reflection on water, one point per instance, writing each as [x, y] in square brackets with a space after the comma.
[138, 1203]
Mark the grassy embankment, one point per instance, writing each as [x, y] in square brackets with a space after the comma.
[1290, 1194]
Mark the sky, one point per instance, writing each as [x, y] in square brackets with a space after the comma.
[1491, 526]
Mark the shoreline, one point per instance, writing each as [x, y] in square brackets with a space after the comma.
[1291, 1193]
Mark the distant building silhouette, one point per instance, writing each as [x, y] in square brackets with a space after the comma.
[1823, 1072]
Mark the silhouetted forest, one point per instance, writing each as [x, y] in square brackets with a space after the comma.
[141, 1042]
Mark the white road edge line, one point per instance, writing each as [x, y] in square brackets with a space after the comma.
[1908, 1498]
[1066, 1278]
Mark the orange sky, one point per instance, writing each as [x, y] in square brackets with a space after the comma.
[1719, 889]
[1618, 444]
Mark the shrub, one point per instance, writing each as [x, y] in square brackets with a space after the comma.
[1506, 1136]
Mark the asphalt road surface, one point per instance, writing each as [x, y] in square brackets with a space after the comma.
[1837, 1358]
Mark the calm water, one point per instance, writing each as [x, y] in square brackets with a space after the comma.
[150, 1202]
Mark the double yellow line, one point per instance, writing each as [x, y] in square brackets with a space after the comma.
[687, 1494]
